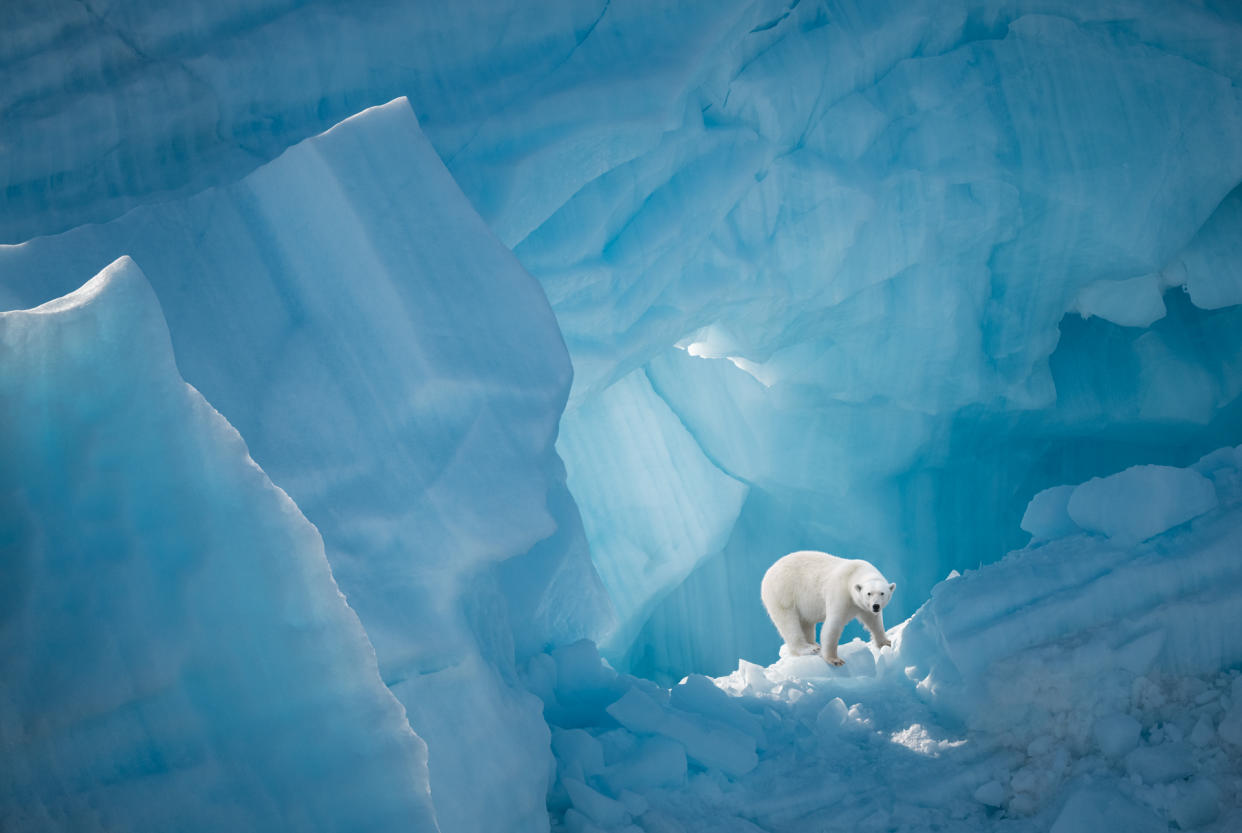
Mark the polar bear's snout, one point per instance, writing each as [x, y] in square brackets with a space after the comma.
[875, 608]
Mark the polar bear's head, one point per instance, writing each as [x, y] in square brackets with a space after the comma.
[872, 594]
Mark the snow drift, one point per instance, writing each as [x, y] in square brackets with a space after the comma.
[1073, 684]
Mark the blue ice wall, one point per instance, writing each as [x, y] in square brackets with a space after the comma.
[892, 267]
[176, 653]
[393, 367]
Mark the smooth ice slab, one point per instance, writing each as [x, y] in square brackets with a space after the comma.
[176, 653]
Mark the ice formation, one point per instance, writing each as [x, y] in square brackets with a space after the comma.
[894, 267]
[563, 321]
[1073, 685]
[404, 389]
[176, 653]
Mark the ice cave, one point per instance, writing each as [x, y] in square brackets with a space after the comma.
[401, 403]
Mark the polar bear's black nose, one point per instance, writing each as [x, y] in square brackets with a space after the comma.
[875, 608]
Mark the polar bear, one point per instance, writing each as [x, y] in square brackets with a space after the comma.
[806, 587]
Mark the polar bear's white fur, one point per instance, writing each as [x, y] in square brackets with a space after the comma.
[807, 587]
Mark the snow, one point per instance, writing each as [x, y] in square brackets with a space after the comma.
[1047, 515]
[1116, 734]
[176, 652]
[1136, 302]
[645, 296]
[1208, 264]
[989, 712]
[1127, 507]
[1198, 806]
[1090, 810]
[1140, 502]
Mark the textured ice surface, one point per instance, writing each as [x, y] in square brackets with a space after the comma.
[175, 652]
[1071, 686]
[1127, 507]
[857, 276]
[395, 370]
[875, 228]
[654, 506]
[1140, 502]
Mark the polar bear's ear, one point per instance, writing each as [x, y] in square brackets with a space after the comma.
[892, 587]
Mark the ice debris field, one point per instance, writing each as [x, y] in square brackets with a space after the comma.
[400, 406]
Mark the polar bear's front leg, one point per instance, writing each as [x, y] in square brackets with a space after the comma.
[875, 624]
[829, 636]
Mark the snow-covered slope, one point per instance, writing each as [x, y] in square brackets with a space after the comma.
[1074, 685]
[175, 652]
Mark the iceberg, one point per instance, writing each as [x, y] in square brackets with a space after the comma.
[176, 652]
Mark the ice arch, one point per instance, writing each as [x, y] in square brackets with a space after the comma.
[878, 216]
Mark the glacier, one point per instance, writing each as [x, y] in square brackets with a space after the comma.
[176, 652]
[560, 324]
[440, 500]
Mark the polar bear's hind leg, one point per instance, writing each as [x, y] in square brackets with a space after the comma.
[790, 626]
[808, 631]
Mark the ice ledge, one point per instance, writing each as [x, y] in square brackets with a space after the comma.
[1128, 507]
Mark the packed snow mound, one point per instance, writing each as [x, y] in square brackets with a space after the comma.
[1127, 507]
[397, 372]
[176, 653]
[1072, 683]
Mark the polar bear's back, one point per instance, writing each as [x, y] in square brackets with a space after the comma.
[801, 579]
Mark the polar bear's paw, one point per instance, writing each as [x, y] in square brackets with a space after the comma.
[834, 661]
[809, 650]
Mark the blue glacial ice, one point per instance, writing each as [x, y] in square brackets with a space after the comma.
[176, 652]
[561, 323]
[892, 217]
[334, 340]
[1073, 682]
